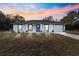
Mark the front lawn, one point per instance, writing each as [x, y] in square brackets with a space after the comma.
[37, 44]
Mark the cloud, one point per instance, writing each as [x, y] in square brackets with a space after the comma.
[57, 12]
[32, 11]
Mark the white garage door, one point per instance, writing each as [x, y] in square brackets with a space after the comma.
[58, 28]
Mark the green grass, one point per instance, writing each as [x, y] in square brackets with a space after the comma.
[37, 44]
[73, 32]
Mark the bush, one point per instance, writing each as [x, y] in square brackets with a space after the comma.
[76, 25]
[72, 26]
[68, 27]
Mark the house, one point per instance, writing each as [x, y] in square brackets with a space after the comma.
[38, 26]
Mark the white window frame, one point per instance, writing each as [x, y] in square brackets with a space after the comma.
[46, 27]
[19, 27]
[30, 25]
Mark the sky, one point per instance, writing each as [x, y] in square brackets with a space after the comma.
[37, 11]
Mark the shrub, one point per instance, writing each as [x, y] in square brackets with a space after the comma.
[76, 25]
[72, 26]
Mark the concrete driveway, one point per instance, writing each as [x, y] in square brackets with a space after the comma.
[69, 35]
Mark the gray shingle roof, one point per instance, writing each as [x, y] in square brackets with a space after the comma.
[38, 22]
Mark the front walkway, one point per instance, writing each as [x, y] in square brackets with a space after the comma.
[69, 35]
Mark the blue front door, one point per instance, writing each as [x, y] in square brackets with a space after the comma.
[37, 28]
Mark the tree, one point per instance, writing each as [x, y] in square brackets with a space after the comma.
[49, 18]
[6, 21]
[19, 19]
[67, 19]
[2, 21]
[76, 25]
[70, 17]
[2, 17]
[70, 20]
[72, 14]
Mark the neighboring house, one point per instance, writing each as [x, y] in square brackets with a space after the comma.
[38, 26]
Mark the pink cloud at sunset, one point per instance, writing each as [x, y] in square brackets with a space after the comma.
[34, 12]
[59, 12]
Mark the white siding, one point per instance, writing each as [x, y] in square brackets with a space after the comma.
[20, 28]
[41, 27]
[55, 28]
[24, 28]
[34, 28]
[50, 27]
[15, 28]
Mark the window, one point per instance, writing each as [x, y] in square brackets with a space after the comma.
[38, 25]
[46, 28]
[20, 27]
[30, 27]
